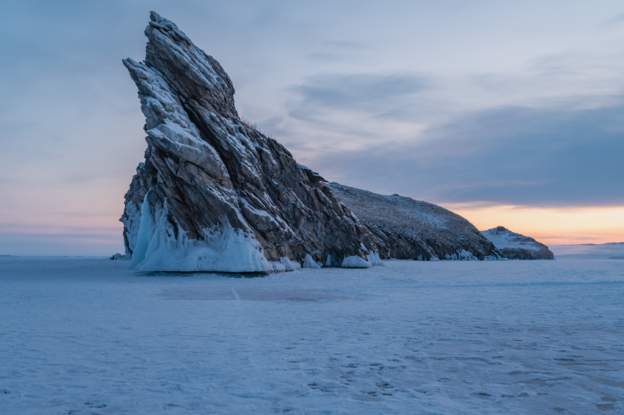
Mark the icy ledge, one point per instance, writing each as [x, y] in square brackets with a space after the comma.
[160, 246]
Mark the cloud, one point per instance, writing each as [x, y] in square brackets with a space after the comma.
[339, 51]
[614, 21]
[550, 136]
[518, 155]
[358, 91]
[347, 111]
[345, 45]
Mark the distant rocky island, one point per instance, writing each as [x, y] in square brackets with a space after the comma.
[512, 245]
[216, 194]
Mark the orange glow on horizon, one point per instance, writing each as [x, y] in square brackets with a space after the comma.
[551, 225]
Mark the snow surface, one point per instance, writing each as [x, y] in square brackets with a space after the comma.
[88, 336]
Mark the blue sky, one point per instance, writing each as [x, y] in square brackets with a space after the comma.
[486, 103]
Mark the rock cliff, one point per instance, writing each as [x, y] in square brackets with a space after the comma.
[405, 228]
[215, 194]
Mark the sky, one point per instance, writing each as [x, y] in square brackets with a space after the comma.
[509, 113]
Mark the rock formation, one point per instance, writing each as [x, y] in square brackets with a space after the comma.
[512, 245]
[405, 228]
[215, 194]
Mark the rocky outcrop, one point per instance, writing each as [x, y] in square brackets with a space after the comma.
[405, 228]
[215, 194]
[512, 245]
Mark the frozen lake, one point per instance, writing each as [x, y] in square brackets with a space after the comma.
[87, 336]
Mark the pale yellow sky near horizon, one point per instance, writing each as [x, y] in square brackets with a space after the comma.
[551, 225]
[101, 229]
[95, 215]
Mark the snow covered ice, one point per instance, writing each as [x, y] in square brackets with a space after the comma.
[88, 336]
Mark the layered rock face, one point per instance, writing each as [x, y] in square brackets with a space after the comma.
[215, 194]
[512, 245]
[404, 228]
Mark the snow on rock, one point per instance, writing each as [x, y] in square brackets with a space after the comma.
[515, 246]
[405, 228]
[215, 194]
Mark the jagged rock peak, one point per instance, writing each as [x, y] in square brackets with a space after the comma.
[194, 74]
[215, 194]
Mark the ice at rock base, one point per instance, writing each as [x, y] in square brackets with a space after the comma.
[159, 247]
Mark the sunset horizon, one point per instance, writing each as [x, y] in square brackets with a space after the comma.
[524, 133]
